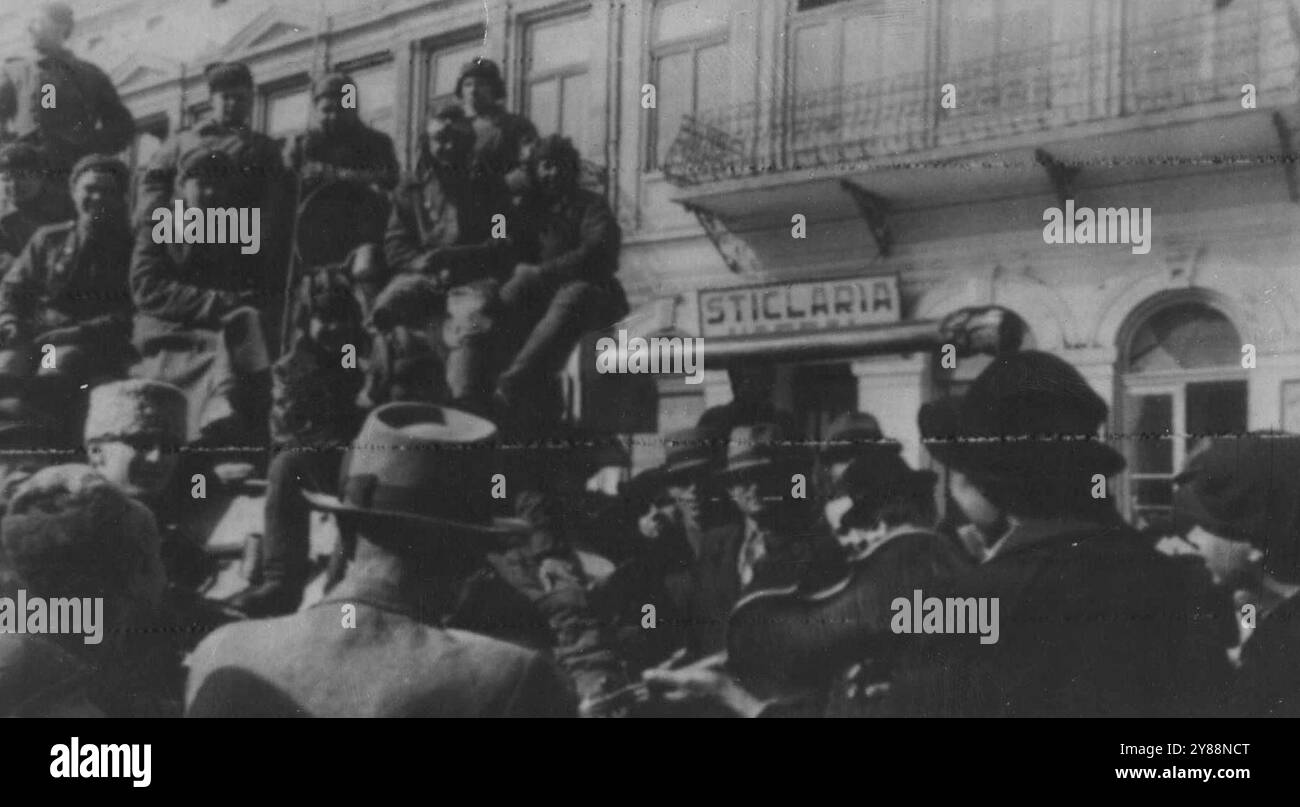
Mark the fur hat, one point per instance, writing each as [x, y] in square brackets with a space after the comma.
[69, 532]
[136, 406]
[479, 67]
[331, 84]
[106, 163]
[224, 76]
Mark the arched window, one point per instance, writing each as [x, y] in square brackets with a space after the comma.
[1181, 381]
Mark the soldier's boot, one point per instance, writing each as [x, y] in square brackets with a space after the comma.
[568, 316]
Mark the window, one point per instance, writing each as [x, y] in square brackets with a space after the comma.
[997, 53]
[442, 64]
[376, 91]
[556, 94]
[854, 79]
[689, 67]
[1182, 381]
[822, 392]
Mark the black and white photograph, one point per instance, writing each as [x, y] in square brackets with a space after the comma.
[651, 359]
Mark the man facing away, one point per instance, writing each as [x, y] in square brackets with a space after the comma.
[1093, 621]
[375, 646]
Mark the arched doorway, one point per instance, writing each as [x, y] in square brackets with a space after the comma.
[1180, 381]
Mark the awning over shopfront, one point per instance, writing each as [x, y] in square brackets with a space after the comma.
[901, 337]
[815, 320]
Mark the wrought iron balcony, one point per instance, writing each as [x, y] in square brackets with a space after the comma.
[1190, 61]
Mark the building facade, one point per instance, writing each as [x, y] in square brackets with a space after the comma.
[814, 185]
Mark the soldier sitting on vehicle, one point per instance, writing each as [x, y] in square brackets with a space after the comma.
[314, 416]
[201, 311]
[441, 228]
[36, 198]
[65, 310]
[565, 286]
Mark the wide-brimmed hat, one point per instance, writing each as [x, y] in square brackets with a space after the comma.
[1247, 488]
[1026, 414]
[853, 434]
[421, 463]
[687, 452]
[758, 448]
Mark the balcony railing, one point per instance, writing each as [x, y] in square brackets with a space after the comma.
[1178, 63]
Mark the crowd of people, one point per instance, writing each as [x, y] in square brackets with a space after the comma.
[388, 356]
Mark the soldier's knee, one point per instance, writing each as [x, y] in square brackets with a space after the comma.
[576, 296]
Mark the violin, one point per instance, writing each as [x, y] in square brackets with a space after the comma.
[799, 636]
